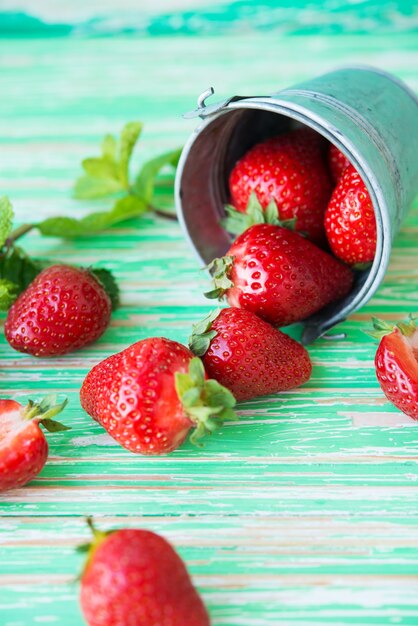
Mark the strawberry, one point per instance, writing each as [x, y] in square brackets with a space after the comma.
[150, 395]
[63, 309]
[278, 275]
[350, 223]
[247, 355]
[23, 446]
[396, 363]
[135, 578]
[337, 162]
[289, 169]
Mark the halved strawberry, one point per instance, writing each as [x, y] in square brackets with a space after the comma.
[23, 447]
[396, 363]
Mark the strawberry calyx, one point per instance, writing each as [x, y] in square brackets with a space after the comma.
[202, 334]
[220, 268]
[206, 403]
[106, 279]
[382, 328]
[91, 546]
[237, 222]
[43, 413]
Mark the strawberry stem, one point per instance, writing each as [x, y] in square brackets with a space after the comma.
[98, 535]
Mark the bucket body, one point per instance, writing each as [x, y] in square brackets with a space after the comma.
[371, 116]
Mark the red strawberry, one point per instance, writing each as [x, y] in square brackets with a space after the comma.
[396, 363]
[149, 396]
[278, 275]
[290, 170]
[350, 222]
[23, 447]
[247, 355]
[63, 309]
[337, 162]
[135, 578]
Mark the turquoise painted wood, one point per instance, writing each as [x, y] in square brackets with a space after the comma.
[306, 511]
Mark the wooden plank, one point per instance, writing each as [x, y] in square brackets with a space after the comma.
[306, 511]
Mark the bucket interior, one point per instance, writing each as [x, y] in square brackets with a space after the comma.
[204, 191]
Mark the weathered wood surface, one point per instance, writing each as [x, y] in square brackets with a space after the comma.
[306, 511]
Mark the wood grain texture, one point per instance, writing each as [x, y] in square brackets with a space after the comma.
[306, 511]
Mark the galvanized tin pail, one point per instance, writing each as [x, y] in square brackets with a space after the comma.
[371, 116]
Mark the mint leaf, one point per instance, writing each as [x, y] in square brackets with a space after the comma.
[70, 227]
[128, 138]
[90, 187]
[8, 294]
[145, 181]
[109, 147]
[103, 167]
[6, 219]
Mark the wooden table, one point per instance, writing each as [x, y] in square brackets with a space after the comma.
[304, 512]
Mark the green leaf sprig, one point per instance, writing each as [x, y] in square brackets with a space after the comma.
[18, 269]
[108, 176]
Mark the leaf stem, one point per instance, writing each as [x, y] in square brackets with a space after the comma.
[165, 214]
[18, 233]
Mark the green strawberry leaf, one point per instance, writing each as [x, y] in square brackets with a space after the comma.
[183, 383]
[220, 269]
[128, 138]
[236, 222]
[206, 402]
[217, 395]
[44, 412]
[380, 328]
[83, 548]
[52, 426]
[6, 219]
[145, 181]
[202, 335]
[107, 280]
[8, 294]
[197, 372]
[70, 227]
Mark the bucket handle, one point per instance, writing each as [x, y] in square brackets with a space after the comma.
[204, 110]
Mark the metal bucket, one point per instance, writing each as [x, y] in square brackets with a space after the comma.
[371, 116]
